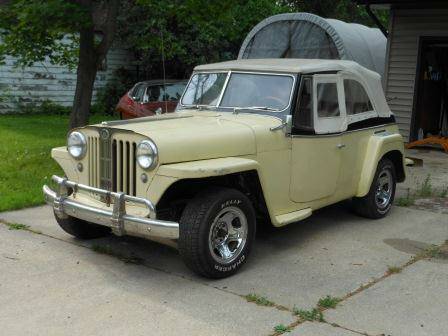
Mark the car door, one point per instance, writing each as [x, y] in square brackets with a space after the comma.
[360, 109]
[316, 148]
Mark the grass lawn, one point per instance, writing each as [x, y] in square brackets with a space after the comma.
[25, 162]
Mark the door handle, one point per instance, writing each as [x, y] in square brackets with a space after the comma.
[340, 146]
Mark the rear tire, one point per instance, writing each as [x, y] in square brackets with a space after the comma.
[216, 232]
[378, 202]
[82, 229]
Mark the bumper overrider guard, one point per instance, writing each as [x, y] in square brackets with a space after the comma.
[118, 220]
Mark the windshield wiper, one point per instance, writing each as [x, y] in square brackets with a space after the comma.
[190, 107]
[198, 107]
[254, 108]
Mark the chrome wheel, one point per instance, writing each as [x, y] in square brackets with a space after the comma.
[228, 234]
[384, 189]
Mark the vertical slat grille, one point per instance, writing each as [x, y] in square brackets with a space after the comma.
[112, 164]
[133, 170]
[105, 164]
[124, 168]
[93, 157]
[97, 163]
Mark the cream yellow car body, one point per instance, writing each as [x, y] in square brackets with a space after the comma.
[292, 170]
[274, 140]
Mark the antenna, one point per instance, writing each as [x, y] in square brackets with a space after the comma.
[164, 75]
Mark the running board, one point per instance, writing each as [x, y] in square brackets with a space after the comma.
[292, 217]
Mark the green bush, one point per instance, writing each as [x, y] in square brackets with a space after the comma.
[47, 107]
[108, 96]
[97, 109]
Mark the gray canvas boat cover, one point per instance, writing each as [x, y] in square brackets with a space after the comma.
[304, 35]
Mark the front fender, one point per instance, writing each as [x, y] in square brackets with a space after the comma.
[61, 156]
[208, 168]
[169, 174]
[378, 146]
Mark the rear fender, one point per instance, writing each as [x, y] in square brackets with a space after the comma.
[378, 146]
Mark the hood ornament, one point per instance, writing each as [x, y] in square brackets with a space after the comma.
[104, 134]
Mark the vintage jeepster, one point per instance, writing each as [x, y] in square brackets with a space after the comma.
[251, 141]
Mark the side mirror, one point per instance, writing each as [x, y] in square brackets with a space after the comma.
[158, 111]
[286, 126]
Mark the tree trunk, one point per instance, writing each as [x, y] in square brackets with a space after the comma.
[86, 73]
[90, 56]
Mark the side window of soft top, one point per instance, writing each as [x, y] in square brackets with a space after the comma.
[327, 100]
[303, 118]
[319, 109]
[356, 98]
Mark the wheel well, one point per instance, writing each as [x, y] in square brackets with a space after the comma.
[173, 201]
[397, 159]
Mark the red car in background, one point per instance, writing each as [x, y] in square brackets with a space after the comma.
[151, 97]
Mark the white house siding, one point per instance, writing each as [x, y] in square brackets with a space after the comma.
[45, 81]
[407, 26]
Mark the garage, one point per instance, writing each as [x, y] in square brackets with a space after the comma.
[430, 120]
[416, 73]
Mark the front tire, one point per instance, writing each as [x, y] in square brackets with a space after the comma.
[82, 229]
[378, 202]
[216, 232]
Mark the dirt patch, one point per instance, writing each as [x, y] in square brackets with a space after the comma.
[442, 252]
[407, 245]
[434, 204]
[420, 250]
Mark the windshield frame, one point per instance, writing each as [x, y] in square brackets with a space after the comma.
[220, 95]
[224, 88]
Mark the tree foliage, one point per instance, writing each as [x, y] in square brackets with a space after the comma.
[33, 30]
[345, 10]
[195, 32]
[184, 33]
[190, 32]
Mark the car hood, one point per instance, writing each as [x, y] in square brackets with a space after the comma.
[191, 136]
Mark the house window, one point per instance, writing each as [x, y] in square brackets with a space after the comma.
[327, 100]
[356, 98]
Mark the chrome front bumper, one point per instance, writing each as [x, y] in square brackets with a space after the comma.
[117, 219]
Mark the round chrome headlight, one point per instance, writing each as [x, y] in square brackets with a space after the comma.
[76, 145]
[147, 154]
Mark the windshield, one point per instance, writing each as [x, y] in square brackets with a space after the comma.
[204, 89]
[269, 92]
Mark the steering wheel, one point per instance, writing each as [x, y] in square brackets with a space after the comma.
[273, 102]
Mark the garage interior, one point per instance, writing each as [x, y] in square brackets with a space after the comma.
[430, 117]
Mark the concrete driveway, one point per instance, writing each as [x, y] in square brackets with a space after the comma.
[52, 284]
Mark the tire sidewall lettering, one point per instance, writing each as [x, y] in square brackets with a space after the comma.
[224, 268]
[231, 202]
[231, 267]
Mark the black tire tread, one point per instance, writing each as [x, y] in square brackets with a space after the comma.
[190, 235]
[365, 206]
